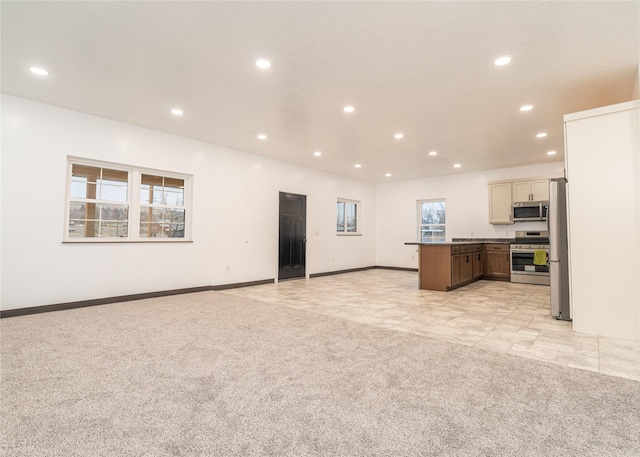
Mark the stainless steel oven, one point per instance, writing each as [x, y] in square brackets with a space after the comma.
[523, 267]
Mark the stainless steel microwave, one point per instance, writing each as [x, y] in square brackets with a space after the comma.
[530, 211]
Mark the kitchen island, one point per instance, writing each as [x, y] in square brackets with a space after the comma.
[447, 266]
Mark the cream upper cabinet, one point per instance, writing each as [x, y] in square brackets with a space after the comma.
[522, 191]
[500, 203]
[531, 190]
[540, 190]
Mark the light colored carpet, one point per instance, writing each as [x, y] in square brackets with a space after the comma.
[209, 374]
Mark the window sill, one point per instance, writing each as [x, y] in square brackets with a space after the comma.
[349, 234]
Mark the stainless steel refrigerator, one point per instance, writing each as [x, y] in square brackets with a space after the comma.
[559, 249]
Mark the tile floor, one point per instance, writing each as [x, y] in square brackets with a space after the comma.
[496, 316]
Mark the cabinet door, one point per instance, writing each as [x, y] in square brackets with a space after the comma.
[455, 270]
[504, 265]
[498, 265]
[540, 189]
[522, 191]
[466, 267]
[478, 264]
[500, 203]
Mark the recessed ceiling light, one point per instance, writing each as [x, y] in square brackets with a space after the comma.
[550, 153]
[39, 71]
[526, 108]
[398, 136]
[177, 112]
[433, 153]
[387, 174]
[456, 165]
[317, 153]
[349, 109]
[358, 165]
[502, 60]
[263, 63]
[262, 136]
[541, 135]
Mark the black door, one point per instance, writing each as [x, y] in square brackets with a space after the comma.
[293, 239]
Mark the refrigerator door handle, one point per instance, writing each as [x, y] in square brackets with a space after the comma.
[552, 220]
[554, 274]
[548, 216]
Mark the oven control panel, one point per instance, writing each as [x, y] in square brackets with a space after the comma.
[531, 247]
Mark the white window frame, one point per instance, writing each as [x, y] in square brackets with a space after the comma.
[358, 218]
[133, 202]
[420, 224]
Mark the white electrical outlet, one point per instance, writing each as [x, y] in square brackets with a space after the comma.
[228, 268]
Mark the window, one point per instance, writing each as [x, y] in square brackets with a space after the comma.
[109, 202]
[431, 217]
[161, 207]
[98, 206]
[347, 220]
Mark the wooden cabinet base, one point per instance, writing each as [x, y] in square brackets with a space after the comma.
[461, 284]
[497, 278]
[435, 267]
[444, 267]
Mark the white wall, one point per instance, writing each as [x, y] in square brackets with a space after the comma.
[467, 200]
[604, 218]
[235, 212]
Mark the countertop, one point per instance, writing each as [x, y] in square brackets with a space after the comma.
[465, 241]
[484, 240]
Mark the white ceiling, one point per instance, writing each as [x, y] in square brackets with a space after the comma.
[421, 68]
